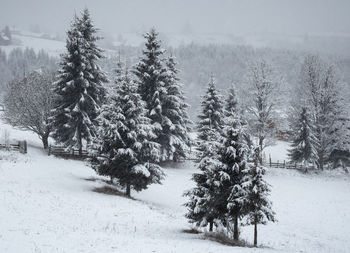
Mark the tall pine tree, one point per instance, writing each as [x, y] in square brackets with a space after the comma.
[304, 142]
[150, 74]
[125, 149]
[231, 105]
[176, 121]
[211, 119]
[255, 202]
[202, 204]
[233, 154]
[79, 88]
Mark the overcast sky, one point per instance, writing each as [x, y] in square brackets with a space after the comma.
[171, 16]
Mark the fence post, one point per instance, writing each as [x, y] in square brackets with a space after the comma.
[49, 153]
[284, 164]
[22, 147]
[25, 146]
[270, 159]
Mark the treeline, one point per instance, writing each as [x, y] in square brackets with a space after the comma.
[18, 63]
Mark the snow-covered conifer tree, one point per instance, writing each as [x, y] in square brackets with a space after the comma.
[203, 201]
[320, 91]
[255, 202]
[150, 74]
[175, 125]
[233, 155]
[125, 149]
[79, 88]
[211, 119]
[92, 52]
[304, 142]
[202, 208]
[231, 105]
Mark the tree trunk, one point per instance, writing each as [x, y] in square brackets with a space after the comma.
[45, 140]
[235, 229]
[211, 226]
[261, 144]
[321, 160]
[128, 189]
[255, 234]
[80, 144]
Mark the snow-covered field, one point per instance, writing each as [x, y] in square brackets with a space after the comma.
[52, 47]
[49, 205]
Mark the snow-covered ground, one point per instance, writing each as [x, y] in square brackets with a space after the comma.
[49, 205]
[52, 47]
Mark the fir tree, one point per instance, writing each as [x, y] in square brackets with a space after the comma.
[79, 88]
[231, 105]
[93, 52]
[203, 201]
[202, 206]
[125, 149]
[304, 143]
[255, 202]
[176, 122]
[211, 118]
[150, 74]
[233, 155]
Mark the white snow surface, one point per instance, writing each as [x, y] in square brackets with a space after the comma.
[48, 205]
[52, 47]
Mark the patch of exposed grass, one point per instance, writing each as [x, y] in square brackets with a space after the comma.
[191, 231]
[108, 190]
[226, 240]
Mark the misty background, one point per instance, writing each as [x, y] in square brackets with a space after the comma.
[219, 38]
[296, 17]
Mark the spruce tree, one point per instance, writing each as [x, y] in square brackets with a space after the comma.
[231, 105]
[176, 121]
[211, 119]
[79, 89]
[150, 74]
[92, 51]
[255, 202]
[304, 141]
[233, 155]
[125, 149]
[202, 204]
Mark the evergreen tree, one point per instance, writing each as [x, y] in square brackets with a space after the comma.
[304, 141]
[150, 74]
[211, 118]
[233, 155]
[79, 88]
[320, 89]
[92, 52]
[231, 105]
[255, 202]
[125, 149]
[176, 122]
[202, 206]
[203, 201]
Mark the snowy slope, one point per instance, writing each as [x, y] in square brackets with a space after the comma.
[48, 205]
[52, 47]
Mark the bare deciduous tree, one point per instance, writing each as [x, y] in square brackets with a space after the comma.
[28, 103]
[263, 85]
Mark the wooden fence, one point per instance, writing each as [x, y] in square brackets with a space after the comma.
[287, 165]
[67, 153]
[20, 146]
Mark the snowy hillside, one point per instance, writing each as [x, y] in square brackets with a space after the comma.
[31, 40]
[55, 205]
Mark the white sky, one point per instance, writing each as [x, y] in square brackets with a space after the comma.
[170, 16]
